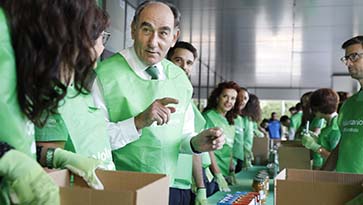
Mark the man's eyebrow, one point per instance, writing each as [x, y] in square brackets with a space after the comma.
[165, 28]
[146, 24]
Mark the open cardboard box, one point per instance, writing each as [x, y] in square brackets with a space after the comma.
[121, 187]
[302, 187]
[293, 155]
[260, 150]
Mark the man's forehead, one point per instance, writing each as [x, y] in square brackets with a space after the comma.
[354, 48]
[180, 51]
[157, 14]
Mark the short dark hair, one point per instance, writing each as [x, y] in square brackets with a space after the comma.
[184, 45]
[354, 40]
[284, 118]
[172, 7]
[324, 100]
[298, 106]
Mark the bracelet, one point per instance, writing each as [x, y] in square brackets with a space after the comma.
[4, 148]
[49, 158]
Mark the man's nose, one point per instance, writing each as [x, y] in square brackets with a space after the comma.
[153, 39]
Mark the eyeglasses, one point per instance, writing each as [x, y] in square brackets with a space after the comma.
[353, 57]
[105, 37]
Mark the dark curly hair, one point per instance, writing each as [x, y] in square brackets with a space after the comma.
[53, 44]
[213, 99]
[253, 109]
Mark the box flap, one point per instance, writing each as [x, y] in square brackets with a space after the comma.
[60, 177]
[300, 187]
[158, 191]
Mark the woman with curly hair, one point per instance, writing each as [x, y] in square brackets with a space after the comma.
[79, 126]
[251, 115]
[220, 112]
[44, 47]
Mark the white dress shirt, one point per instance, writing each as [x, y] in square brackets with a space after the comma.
[123, 132]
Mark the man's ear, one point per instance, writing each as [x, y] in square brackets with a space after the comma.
[176, 35]
[133, 30]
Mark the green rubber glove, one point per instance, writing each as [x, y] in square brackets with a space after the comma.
[232, 177]
[222, 183]
[247, 162]
[358, 200]
[309, 142]
[83, 166]
[201, 197]
[29, 184]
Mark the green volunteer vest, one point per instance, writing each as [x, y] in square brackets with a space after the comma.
[238, 139]
[82, 126]
[317, 123]
[328, 138]
[351, 127]
[256, 131]
[296, 120]
[248, 134]
[184, 168]
[126, 95]
[224, 155]
[15, 129]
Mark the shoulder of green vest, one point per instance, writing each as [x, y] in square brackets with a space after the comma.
[174, 71]
[110, 63]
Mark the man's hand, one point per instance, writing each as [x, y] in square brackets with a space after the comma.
[208, 140]
[157, 111]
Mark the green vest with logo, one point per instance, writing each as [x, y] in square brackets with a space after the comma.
[82, 126]
[351, 127]
[126, 95]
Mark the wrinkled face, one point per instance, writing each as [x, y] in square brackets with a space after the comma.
[226, 100]
[355, 68]
[244, 97]
[183, 58]
[154, 33]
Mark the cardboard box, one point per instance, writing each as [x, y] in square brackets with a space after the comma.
[293, 155]
[121, 187]
[260, 150]
[302, 187]
[293, 143]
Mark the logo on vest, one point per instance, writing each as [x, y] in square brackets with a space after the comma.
[104, 155]
[352, 123]
[355, 123]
